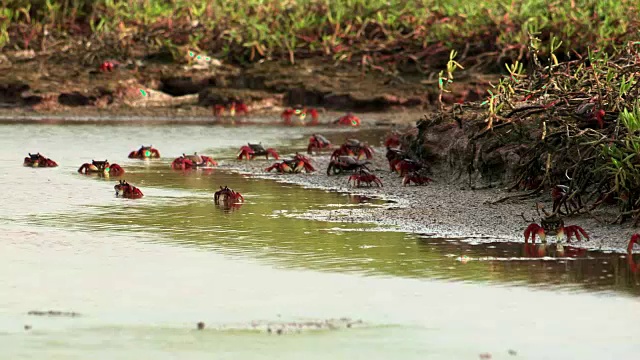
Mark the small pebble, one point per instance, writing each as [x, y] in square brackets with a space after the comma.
[513, 352]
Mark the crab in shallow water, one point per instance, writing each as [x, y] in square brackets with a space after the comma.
[192, 161]
[250, 151]
[348, 120]
[227, 196]
[101, 167]
[551, 225]
[318, 142]
[301, 114]
[145, 152]
[346, 163]
[354, 147]
[126, 190]
[364, 176]
[37, 160]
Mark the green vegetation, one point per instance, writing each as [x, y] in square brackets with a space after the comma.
[397, 34]
[579, 122]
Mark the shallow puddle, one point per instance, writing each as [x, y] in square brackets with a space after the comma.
[142, 273]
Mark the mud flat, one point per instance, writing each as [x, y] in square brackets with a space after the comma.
[447, 207]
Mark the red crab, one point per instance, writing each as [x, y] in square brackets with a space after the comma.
[318, 142]
[127, 190]
[101, 167]
[354, 147]
[227, 196]
[405, 166]
[252, 150]
[364, 176]
[109, 65]
[635, 239]
[145, 152]
[551, 225]
[416, 178]
[348, 120]
[346, 163]
[295, 165]
[37, 160]
[392, 141]
[234, 108]
[301, 113]
[394, 156]
[192, 161]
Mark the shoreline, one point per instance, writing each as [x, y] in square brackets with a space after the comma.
[159, 116]
[447, 207]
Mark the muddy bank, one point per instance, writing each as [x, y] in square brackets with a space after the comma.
[30, 82]
[447, 207]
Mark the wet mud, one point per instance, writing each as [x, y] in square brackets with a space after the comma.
[446, 207]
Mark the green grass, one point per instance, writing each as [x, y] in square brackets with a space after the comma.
[402, 34]
[579, 122]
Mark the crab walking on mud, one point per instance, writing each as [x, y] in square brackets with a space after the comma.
[128, 191]
[416, 178]
[553, 225]
[318, 142]
[346, 163]
[250, 151]
[364, 176]
[354, 147]
[295, 165]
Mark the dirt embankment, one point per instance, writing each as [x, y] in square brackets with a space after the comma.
[30, 82]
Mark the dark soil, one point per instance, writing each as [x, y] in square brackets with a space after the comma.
[30, 82]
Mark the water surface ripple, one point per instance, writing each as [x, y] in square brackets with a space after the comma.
[142, 273]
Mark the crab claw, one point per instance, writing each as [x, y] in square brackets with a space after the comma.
[116, 170]
[533, 230]
[273, 153]
[245, 152]
[574, 230]
[208, 161]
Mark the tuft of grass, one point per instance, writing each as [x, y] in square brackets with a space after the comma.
[580, 123]
[397, 34]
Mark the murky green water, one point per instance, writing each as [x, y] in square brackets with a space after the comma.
[143, 272]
